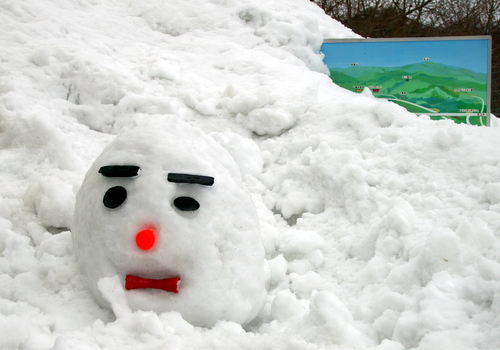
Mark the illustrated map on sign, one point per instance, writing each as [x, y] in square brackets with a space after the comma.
[442, 78]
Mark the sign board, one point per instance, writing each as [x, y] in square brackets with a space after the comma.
[444, 77]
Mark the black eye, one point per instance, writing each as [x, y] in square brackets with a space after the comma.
[114, 197]
[186, 204]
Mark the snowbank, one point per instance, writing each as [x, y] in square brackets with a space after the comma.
[380, 229]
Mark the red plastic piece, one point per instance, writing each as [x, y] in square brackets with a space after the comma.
[166, 284]
[146, 238]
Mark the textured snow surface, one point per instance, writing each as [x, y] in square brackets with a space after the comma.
[380, 229]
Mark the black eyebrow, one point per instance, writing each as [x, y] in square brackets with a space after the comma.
[191, 179]
[120, 171]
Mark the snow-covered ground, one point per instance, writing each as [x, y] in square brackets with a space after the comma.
[381, 229]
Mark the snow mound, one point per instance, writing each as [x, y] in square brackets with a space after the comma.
[379, 229]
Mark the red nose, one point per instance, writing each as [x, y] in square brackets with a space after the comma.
[145, 239]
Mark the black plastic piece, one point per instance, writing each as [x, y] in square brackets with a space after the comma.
[120, 171]
[191, 179]
[186, 204]
[114, 197]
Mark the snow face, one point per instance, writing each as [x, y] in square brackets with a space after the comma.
[380, 229]
[206, 235]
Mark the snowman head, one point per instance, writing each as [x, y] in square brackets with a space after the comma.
[164, 209]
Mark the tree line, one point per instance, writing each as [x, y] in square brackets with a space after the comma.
[424, 18]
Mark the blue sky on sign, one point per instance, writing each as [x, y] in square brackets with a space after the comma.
[471, 54]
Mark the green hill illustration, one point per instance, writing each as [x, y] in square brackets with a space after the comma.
[425, 87]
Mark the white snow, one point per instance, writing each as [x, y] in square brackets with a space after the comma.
[215, 248]
[380, 229]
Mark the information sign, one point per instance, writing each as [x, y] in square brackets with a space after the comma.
[444, 77]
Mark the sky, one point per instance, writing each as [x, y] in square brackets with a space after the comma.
[471, 54]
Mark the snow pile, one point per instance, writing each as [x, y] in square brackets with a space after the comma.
[380, 229]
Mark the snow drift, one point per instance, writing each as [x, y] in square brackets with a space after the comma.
[380, 229]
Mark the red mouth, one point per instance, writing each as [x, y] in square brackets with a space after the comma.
[166, 284]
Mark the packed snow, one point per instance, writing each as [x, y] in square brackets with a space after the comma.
[157, 222]
[378, 229]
